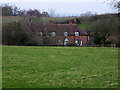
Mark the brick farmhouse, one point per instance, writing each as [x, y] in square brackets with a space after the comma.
[59, 34]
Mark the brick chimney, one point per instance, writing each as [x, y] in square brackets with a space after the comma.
[75, 21]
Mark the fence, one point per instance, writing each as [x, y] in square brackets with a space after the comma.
[105, 45]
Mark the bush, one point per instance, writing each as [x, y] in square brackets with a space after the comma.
[90, 42]
[71, 44]
[14, 34]
[47, 41]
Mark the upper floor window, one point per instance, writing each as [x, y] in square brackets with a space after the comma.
[76, 33]
[53, 34]
[41, 34]
[65, 33]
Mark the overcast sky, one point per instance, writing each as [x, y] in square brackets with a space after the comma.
[64, 7]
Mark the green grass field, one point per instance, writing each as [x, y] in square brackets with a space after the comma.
[54, 67]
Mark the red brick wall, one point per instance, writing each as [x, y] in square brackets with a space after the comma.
[84, 39]
[70, 38]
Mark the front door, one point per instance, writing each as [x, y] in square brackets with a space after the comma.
[66, 41]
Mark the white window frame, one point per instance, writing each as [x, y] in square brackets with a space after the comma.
[41, 33]
[77, 34]
[53, 34]
[65, 33]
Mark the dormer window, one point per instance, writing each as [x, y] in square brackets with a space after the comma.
[53, 34]
[41, 34]
[65, 33]
[76, 33]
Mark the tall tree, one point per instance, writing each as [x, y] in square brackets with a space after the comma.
[34, 12]
[103, 29]
[15, 10]
[14, 34]
[115, 4]
[7, 10]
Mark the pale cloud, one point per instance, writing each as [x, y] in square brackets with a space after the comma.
[64, 7]
[52, 1]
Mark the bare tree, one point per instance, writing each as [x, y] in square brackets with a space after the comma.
[52, 12]
[15, 10]
[34, 12]
[115, 4]
[86, 17]
[7, 10]
[45, 14]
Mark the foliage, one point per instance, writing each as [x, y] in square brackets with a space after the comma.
[9, 10]
[12, 10]
[82, 26]
[47, 40]
[104, 28]
[71, 44]
[86, 19]
[14, 34]
[31, 43]
[10, 19]
[90, 43]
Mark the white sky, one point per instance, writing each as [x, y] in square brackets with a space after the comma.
[52, 0]
[64, 7]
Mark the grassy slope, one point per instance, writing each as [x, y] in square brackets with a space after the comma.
[56, 19]
[82, 26]
[8, 19]
[85, 67]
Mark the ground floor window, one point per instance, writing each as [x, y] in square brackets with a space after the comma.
[41, 34]
[79, 42]
[53, 34]
[60, 42]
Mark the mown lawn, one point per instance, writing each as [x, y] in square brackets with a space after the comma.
[54, 67]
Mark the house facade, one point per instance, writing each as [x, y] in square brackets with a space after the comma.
[59, 34]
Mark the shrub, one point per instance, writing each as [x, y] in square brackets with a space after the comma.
[14, 34]
[71, 44]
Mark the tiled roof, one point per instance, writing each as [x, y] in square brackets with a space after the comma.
[59, 29]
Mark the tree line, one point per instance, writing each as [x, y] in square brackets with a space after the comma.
[12, 10]
[102, 29]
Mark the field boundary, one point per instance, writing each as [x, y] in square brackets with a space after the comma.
[0, 48]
